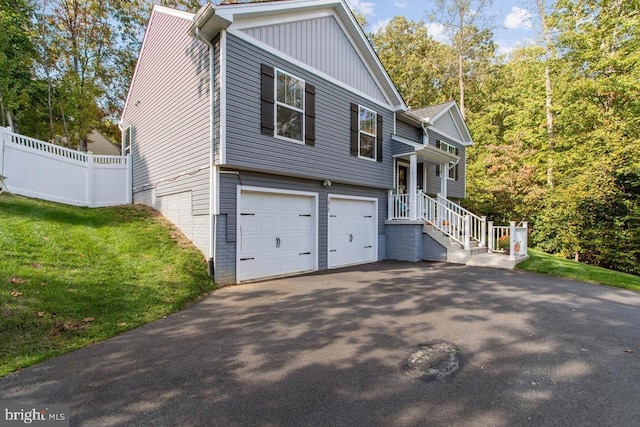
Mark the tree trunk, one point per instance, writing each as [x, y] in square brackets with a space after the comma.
[66, 131]
[52, 135]
[461, 82]
[551, 55]
[550, 133]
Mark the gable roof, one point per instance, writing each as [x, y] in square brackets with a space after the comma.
[210, 20]
[432, 112]
[444, 118]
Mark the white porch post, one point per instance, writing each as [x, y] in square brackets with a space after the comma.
[483, 231]
[444, 173]
[413, 186]
[390, 206]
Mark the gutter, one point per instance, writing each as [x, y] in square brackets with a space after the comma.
[213, 175]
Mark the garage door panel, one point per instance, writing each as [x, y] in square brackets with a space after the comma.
[277, 231]
[352, 230]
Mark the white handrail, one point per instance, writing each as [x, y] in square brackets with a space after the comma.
[447, 220]
[477, 224]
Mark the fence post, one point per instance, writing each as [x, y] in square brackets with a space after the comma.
[512, 241]
[4, 132]
[525, 242]
[129, 189]
[490, 235]
[483, 231]
[467, 232]
[90, 180]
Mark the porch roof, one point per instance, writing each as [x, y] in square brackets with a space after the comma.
[425, 153]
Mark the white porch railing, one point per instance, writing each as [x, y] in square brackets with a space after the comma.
[35, 168]
[462, 225]
[517, 237]
[445, 219]
[456, 222]
[477, 224]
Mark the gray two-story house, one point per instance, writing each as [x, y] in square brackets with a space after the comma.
[273, 137]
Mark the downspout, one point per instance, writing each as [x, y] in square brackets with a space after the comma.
[213, 176]
[425, 136]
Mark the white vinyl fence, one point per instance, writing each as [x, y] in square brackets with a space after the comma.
[34, 168]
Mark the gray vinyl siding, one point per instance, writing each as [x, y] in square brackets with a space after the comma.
[400, 148]
[321, 44]
[228, 201]
[409, 132]
[448, 126]
[455, 189]
[329, 159]
[432, 250]
[170, 124]
[216, 99]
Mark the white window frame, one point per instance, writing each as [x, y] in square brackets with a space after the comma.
[451, 149]
[277, 103]
[375, 134]
[126, 149]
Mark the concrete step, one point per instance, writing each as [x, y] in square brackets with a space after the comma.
[492, 260]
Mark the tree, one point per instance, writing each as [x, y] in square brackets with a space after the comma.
[419, 65]
[550, 56]
[470, 36]
[16, 56]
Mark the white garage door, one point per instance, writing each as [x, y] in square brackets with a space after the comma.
[353, 231]
[275, 235]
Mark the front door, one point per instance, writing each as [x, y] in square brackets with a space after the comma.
[402, 178]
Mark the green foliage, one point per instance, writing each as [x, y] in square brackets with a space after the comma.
[73, 276]
[421, 67]
[17, 54]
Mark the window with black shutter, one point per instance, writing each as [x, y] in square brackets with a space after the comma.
[288, 106]
[366, 133]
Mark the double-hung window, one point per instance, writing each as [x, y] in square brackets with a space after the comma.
[367, 133]
[452, 170]
[289, 106]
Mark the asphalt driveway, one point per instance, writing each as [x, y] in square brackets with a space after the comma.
[332, 349]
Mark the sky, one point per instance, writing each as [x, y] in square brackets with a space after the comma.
[512, 20]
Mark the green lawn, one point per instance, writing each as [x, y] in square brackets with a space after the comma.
[541, 262]
[73, 276]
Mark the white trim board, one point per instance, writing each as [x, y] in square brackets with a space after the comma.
[223, 97]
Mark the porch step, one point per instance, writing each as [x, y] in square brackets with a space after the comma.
[492, 260]
[455, 251]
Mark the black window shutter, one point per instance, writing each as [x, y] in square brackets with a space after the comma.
[437, 168]
[437, 143]
[457, 168]
[456, 151]
[355, 127]
[268, 99]
[379, 138]
[309, 114]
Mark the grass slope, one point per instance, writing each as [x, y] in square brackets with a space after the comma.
[73, 276]
[541, 262]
